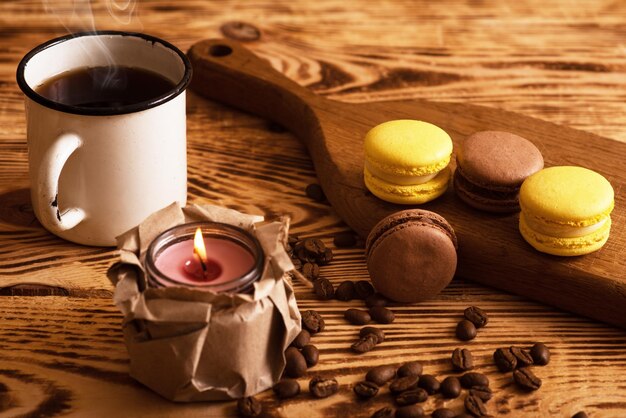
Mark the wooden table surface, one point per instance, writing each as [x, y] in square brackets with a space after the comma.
[61, 348]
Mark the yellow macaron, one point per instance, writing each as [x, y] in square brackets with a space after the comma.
[406, 161]
[566, 210]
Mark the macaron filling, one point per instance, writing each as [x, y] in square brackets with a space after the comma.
[492, 193]
[560, 230]
[402, 180]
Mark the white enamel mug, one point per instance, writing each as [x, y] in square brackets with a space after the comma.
[97, 172]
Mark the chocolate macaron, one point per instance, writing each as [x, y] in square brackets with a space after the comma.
[491, 167]
[411, 255]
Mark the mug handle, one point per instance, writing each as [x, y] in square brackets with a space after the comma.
[49, 172]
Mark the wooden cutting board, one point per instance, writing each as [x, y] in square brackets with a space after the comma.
[491, 250]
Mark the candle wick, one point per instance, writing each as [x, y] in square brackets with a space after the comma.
[202, 263]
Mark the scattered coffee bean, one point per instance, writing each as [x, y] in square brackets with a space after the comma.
[240, 31]
[429, 383]
[377, 332]
[385, 412]
[345, 240]
[581, 414]
[526, 379]
[403, 383]
[471, 379]
[315, 192]
[325, 258]
[382, 315]
[523, 356]
[313, 322]
[476, 316]
[292, 240]
[323, 289]
[311, 355]
[462, 359]
[345, 291]
[249, 407]
[475, 406]
[302, 339]
[363, 289]
[357, 316]
[412, 368]
[366, 389]
[540, 354]
[311, 271]
[443, 413]
[465, 330]
[297, 264]
[376, 300]
[410, 411]
[381, 374]
[450, 387]
[314, 246]
[323, 388]
[504, 359]
[482, 392]
[411, 396]
[295, 362]
[286, 388]
[364, 344]
[302, 254]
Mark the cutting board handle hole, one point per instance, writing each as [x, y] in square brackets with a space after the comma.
[220, 50]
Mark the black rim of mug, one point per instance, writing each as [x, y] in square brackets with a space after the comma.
[113, 110]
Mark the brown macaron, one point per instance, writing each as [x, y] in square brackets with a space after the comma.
[491, 167]
[411, 255]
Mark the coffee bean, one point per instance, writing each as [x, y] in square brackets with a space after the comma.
[443, 413]
[365, 390]
[385, 412]
[249, 407]
[429, 383]
[377, 332]
[412, 368]
[311, 271]
[323, 388]
[450, 387]
[526, 379]
[240, 31]
[297, 264]
[344, 240]
[462, 359]
[476, 316]
[303, 255]
[484, 393]
[325, 258]
[323, 289]
[357, 316]
[302, 339]
[313, 322]
[381, 374]
[315, 192]
[364, 344]
[314, 246]
[523, 356]
[376, 300]
[581, 414]
[311, 355]
[504, 359]
[345, 291]
[465, 330]
[403, 383]
[411, 396]
[471, 379]
[410, 411]
[293, 239]
[540, 354]
[363, 289]
[382, 315]
[295, 362]
[286, 388]
[475, 406]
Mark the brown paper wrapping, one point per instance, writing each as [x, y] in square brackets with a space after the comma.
[193, 345]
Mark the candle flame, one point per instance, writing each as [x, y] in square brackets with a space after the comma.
[198, 246]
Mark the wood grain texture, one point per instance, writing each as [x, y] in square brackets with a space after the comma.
[563, 61]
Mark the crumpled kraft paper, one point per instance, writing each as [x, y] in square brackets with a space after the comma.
[193, 345]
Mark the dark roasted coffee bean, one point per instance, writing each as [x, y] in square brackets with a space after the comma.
[292, 240]
[450, 387]
[240, 31]
[345, 291]
[523, 356]
[302, 339]
[403, 383]
[476, 316]
[410, 411]
[295, 362]
[325, 258]
[443, 413]
[311, 271]
[377, 332]
[249, 407]
[357, 316]
[471, 379]
[581, 414]
[413, 368]
[314, 246]
[286, 388]
[344, 240]
[303, 255]
[365, 390]
[465, 330]
[311, 355]
[411, 396]
[323, 388]
[385, 412]
[504, 359]
[313, 322]
[540, 354]
[315, 192]
[364, 344]
[462, 359]
[323, 289]
[475, 406]
[482, 392]
[381, 374]
[297, 264]
[429, 383]
[363, 289]
[526, 379]
[376, 300]
[382, 315]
